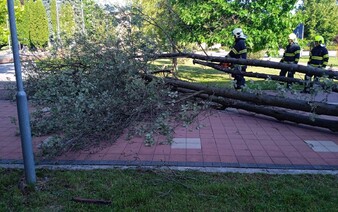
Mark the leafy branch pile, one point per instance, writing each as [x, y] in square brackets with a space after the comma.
[93, 92]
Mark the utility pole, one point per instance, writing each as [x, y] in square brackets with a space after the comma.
[22, 105]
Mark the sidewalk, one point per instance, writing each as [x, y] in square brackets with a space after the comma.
[231, 138]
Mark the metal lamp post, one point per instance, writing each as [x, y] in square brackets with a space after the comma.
[22, 105]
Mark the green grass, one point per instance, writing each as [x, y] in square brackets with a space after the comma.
[149, 190]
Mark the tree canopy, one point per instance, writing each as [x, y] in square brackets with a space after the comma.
[265, 22]
[174, 22]
[320, 18]
[4, 27]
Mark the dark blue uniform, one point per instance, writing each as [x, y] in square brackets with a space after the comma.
[319, 58]
[239, 51]
[291, 55]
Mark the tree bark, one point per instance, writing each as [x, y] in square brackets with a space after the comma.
[268, 64]
[260, 99]
[334, 87]
[279, 114]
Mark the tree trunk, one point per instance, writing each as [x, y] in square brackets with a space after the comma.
[279, 114]
[260, 99]
[260, 75]
[268, 64]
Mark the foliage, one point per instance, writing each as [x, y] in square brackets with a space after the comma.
[38, 27]
[67, 21]
[94, 91]
[4, 31]
[33, 29]
[266, 23]
[167, 190]
[98, 22]
[321, 19]
[4, 27]
[54, 19]
[24, 25]
[158, 19]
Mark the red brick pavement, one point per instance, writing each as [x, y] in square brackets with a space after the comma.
[229, 138]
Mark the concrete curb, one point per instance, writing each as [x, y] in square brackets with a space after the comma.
[199, 169]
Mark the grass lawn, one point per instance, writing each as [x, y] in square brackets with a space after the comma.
[165, 190]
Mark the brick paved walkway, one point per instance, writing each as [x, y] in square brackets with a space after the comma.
[229, 138]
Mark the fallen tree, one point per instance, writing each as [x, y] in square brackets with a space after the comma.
[298, 111]
[279, 114]
[319, 108]
[217, 66]
[261, 63]
[312, 113]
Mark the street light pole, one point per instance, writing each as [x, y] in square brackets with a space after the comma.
[22, 105]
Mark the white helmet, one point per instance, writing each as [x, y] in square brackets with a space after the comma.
[293, 37]
[238, 33]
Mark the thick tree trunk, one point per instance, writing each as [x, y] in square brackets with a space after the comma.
[280, 108]
[279, 114]
[260, 99]
[260, 75]
[268, 64]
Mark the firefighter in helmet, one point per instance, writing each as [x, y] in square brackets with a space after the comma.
[319, 58]
[238, 51]
[291, 56]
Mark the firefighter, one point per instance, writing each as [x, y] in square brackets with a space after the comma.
[290, 56]
[319, 58]
[238, 51]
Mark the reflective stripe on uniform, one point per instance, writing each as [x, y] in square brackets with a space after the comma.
[234, 51]
[243, 51]
[240, 52]
[316, 58]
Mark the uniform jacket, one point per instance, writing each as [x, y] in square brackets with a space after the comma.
[291, 54]
[239, 50]
[319, 56]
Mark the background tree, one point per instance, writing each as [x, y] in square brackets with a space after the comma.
[4, 31]
[53, 19]
[24, 25]
[33, 27]
[159, 20]
[320, 18]
[67, 21]
[266, 22]
[99, 22]
[38, 28]
[4, 27]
